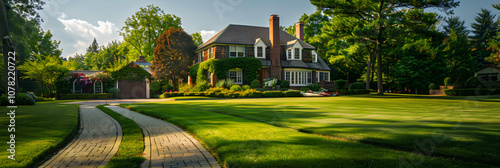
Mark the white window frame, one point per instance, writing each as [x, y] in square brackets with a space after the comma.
[326, 76]
[238, 50]
[290, 52]
[298, 77]
[314, 56]
[258, 44]
[211, 53]
[237, 75]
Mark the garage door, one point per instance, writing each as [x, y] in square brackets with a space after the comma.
[132, 89]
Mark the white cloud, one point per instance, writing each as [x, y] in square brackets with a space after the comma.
[84, 33]
[207, 34]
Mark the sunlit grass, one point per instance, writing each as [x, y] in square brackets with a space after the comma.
[365, 131]
[40, 130]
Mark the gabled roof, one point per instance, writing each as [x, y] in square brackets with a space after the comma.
[144, 65]
[246, 35]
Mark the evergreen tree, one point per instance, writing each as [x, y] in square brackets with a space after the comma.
[454, 23]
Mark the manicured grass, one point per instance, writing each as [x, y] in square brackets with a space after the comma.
[130, 152]
[190, 97]
[241, 142]
[456, 127]
[41, 130]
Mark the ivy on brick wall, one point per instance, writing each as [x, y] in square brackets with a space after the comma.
[131, 72]
[249, 65]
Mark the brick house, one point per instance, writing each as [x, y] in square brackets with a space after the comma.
[283, 56]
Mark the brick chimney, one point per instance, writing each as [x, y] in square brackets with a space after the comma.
[141, 59]
[299, 31]
[275, 51]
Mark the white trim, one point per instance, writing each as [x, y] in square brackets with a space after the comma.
[237, 50]
[314, 55]
[290, 52]
[298, 77]
[238, 77]
[260, 43]
[147, 88]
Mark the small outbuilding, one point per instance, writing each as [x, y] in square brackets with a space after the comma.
[489, 75]
[133, 79]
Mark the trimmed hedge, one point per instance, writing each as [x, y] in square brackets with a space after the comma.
[272, 93]
[87, 96]
[468, 92]
[292, 93]
[357, 85]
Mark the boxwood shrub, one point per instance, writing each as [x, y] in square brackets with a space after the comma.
[87, 96]
[292, 93]
[272, 93]
[468, 92]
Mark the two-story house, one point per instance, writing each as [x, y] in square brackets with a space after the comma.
[283, 56]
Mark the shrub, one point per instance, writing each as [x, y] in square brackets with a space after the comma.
[314, 87]
[447, 81]
[343, 91]
[155, 87]
[201, 86]
[461, 74]
[432, 86]
[114, 91]
[225, 83]
[87, 96]
[235, 88]
[245, 87]
[473, 82]
[21, 99]
[304, 89]
[255, 84]
[292, 93]
[358, 91]
[272, 93]
[167, 88]
[285, 84]
[357, 85]
[250, 93]
[340, 84]
[331, 90]
[468, 92]
[185, 88]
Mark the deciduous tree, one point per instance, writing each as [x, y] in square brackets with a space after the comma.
[143, 28]
[173, 55]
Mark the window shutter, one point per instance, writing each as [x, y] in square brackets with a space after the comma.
[246, 52]
[227, 51]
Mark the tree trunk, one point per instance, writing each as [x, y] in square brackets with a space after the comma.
[380, 86]
[348, 74]
[368, 70]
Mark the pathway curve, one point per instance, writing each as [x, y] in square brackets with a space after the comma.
[99, 139]
[167, 145]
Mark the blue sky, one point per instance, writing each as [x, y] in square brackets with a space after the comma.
[76, 23]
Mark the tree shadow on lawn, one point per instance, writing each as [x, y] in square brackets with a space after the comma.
[306, 151]
[465, 141]
[482, 98]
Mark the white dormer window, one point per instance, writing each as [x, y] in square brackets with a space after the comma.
[294, 52]
[314, 56]
[236, 51]
[260, 49]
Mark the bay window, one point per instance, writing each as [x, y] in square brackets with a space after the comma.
[298, 78]
[322, 76]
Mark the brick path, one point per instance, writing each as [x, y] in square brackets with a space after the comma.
[99, 139]
[167, 145]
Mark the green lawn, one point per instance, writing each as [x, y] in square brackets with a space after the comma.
[41, 129]
[357, 131]
[130, 152]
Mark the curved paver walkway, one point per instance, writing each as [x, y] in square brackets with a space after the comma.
[99, 139]
[167, 145]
